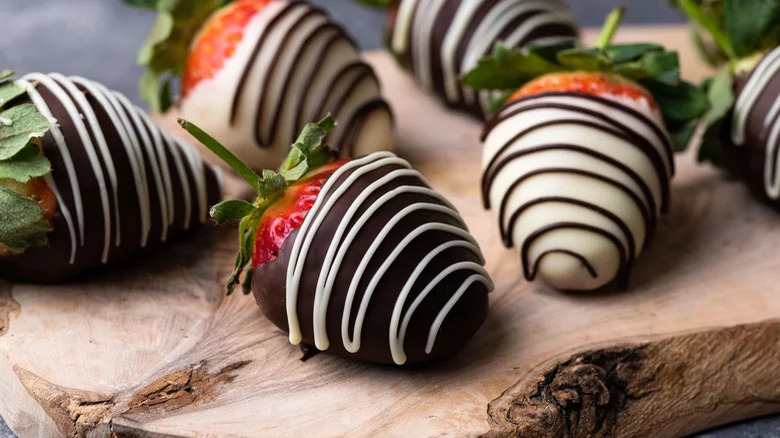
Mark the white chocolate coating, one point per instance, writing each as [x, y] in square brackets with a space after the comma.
[441, 40]
[578, 182]
[292, 67]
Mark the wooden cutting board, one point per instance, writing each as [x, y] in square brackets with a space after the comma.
[155, 349]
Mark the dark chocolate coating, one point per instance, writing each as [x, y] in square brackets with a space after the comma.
[270, 281]
[749, 159]
[133, 154]
[520, 25]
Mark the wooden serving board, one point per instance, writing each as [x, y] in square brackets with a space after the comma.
[155, 349]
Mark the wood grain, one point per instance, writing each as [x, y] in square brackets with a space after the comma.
[154, 348]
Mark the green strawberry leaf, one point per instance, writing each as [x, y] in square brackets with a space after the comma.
[308, 153]
[383, 4]
[22, 221]
[143, 4]
[720, 93]
[9, 91]
[28, 163]
[231, 211]
[508, 69]
[19, 125]
[620, 53]
[747, 21]
[678, 103]
[5, 74]
[592, 59]
[165, 51]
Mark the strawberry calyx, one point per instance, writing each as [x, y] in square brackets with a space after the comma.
[27, 204]
[283, 198]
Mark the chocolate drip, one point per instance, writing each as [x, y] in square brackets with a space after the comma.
[111, 205]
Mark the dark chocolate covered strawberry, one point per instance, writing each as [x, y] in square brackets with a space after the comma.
[360, 258]
[743, 123]
[441, 40]
[577, 160]
[253, 72]
[86, 179]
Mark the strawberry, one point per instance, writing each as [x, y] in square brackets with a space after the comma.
[593, 83]
[284, 197]
[216, 41]
[288, 212]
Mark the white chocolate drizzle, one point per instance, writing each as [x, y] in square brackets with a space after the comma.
[292, 66]
[756, 87]
[359, 214]
[142, 144]
[470, 30]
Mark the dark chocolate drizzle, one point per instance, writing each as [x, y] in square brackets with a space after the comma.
[609, 125]
[268, 125]
[442, 25]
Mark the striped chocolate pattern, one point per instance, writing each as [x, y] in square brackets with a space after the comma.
[441, 40]
[383, 268]
[578, 182]
[756, 123]
[293, 66]
[121, 182]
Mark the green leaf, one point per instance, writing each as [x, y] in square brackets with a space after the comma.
[241, 169]
[708, 16]
[747, 21]
[28, 163]
[663, 67]
[9, 91]
[5, 74]
[166, 49]
[620, 53]
[22, 221]
[144, 4]
[507, 69]
[720, 93]
[231, 211]
[308, 151]
[680, 103]
[271, 184]
[591, 59]
[384, 4]
[26, 124]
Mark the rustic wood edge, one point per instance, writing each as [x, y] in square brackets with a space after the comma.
[672, 386]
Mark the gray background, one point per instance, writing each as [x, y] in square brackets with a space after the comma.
[99, 38]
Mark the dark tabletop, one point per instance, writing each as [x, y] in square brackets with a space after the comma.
[99, 38]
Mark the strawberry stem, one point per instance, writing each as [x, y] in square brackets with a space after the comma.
[709, 23]
[249, 175]
[610, 27]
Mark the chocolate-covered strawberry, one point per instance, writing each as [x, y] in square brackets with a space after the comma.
[441, 40]
[86, 179]
[359, 258]
[577, 161]
[253, 72]
[743, 123]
